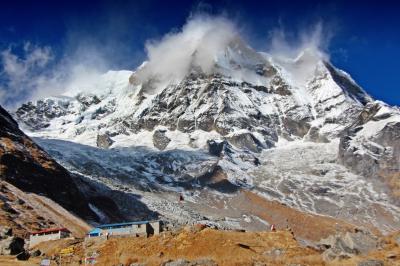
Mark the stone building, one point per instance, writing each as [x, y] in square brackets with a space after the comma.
[48, 234]
[140, 228]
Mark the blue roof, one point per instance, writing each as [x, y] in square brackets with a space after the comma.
[121, 224]
[95, 231]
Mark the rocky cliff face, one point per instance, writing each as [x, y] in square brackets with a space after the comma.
[269, 101]
[371, 145]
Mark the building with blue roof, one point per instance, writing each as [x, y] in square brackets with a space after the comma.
[138, 228]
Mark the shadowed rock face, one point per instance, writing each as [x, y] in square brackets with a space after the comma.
[343, 81]
[246, 141]
[28, 167]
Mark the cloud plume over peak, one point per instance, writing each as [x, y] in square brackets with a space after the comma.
[203, 39]
[197, 44]
[315, 39]
[30, 71]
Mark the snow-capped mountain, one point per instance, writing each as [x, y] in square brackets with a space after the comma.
[246, 94]
[285, 129]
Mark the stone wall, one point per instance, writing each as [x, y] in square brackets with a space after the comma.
[36, 239]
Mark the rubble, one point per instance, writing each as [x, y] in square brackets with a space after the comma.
[346, 245]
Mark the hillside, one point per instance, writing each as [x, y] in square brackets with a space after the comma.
[210, 247]
[29, 212]
[25, 165]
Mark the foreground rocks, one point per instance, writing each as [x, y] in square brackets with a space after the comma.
[371, 263]
[202, 246]
[182, 262]
[207, 247]
[346, 245]
[10, 244]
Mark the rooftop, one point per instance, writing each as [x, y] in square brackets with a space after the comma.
[121, 224]
[50, 230]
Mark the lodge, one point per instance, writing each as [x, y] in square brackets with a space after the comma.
[140, 228]
[48, 234]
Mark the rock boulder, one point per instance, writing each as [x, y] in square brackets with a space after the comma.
[104, 141]
[346, 245]
[160, 140]
[12, 245]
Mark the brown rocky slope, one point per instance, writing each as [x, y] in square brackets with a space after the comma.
[26, 166]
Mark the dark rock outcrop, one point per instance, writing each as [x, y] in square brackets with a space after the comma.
[160, 140]
[246, 141]
[12, 245]
[215, 147]
[24, 255]
[104, 141]
[35, 253]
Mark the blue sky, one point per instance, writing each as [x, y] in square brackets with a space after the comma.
[361, 37]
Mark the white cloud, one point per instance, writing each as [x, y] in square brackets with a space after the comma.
[33, 58]
[197, 44]
[25, 73]
[31, 72]
[203, 37]
[315, 39]
[300, 55]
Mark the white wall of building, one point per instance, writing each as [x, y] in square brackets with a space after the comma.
[38, 238]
